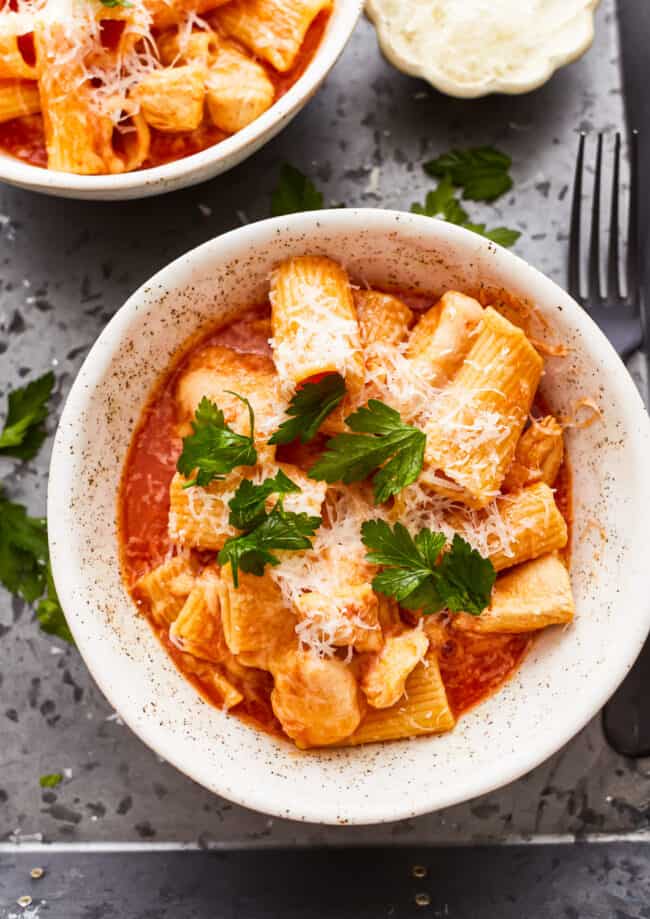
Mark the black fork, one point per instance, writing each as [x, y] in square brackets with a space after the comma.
[617, 307]
[619, 311]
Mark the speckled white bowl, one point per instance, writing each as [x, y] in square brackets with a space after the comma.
[569, 673]
[190, 170]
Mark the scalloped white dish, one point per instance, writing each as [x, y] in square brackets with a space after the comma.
[471, 48]
[568, 674]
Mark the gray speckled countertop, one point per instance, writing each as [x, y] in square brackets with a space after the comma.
[67, 266]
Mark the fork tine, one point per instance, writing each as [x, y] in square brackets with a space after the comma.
[574, 233]
[633, 244]
[613, 258]
[593, 272]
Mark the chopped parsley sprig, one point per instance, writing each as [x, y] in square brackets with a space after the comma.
[214, 449]
[294, 193]
[421, 576]
[23, 432]
[381, 444]
[482, 172]
[248, 504]
[278, 529]
[309, 407]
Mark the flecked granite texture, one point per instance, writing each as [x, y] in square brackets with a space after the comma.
[66, 268]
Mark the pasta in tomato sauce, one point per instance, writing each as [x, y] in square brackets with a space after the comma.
[279, 582]
[90, 87]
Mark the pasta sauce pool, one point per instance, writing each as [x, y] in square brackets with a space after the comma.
[472, 666]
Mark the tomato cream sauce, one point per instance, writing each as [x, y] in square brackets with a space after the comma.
[472, 666]
[24, 137]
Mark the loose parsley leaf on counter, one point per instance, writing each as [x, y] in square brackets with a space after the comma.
[294, 193]
[382, 444]
[214, 449]
[23, 431]
[50, 614]
[309, 407]
[51, 780]
[278, 530]
[441, 202]
[23, 551]
[248, 505]
[419, 577]
[482, 172]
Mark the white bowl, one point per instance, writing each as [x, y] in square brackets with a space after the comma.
[539, 38]
[190, 170]
[567, 676]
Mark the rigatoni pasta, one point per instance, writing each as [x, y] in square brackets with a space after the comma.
[350, 527]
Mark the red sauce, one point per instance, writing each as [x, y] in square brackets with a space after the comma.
[27, 141]
[473, 667]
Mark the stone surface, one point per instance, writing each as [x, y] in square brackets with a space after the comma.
[67, 266]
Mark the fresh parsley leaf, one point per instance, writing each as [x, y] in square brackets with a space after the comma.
[294, 193]
[50, 614]
[278, 530]
[441, 202]
[482, 172]
[501, 235]
[309, 408]
[214, 449]
[247, 506]
[382, 444]
[112, 4]
[51, 780]
[23, 551]
[23, 432]
[421, 576]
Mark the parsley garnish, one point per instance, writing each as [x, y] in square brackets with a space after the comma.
[278, 530]
[482, 172]
[50, 614]
[382, 444]
[248, 505]
[309, 408]
[23, 551]
[23, 431]
[214, 449]
[112, 4]
[442, 202]
[420, 578]
[294, 193]
[51, 780]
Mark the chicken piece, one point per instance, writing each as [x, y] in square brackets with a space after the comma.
[315, 699]
[165, 589]
[441, 339]
[172, 99]
[538, 456]
[348, 616]
[238, 89]
[217, 370]
[386, 673]
[197, 629]
[195, 48]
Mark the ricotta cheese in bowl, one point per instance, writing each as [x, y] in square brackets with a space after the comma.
[469, 48]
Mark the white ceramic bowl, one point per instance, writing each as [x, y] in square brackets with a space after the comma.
[190, 170]
[569, 673]
[505, 47]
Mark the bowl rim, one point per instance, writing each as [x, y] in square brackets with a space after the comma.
[178, 172]
[99, 360]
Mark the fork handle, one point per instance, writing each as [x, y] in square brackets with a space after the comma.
[626, 717]
[625, 335]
